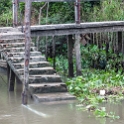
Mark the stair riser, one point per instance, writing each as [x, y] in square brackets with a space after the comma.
[19, 49]
[32, 66]
[48, 89]
[31, 60]
[13, 41]
[13, 45]
[45, 79]
[36, 72]
[53, 99]
[22, 55]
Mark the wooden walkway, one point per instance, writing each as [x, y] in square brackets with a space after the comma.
[44, 82]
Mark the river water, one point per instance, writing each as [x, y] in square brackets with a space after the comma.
[13, 112]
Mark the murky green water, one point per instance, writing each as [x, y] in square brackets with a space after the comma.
[12, 112]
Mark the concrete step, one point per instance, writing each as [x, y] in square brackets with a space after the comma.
[47, 97]
[43, 78]
[32, 64]
[13, 41]
[36, 71]
[19, 49]
[11, 36]
[47, 88]
[32, 59]
[9, 45]
[21, 54]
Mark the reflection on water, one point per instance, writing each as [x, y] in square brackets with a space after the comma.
[12, 112]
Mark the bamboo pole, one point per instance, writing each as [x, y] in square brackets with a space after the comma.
[27, 51]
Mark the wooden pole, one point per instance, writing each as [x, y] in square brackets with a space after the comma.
[15, 13]
[77, 39]
[70, 56]
[27, 51]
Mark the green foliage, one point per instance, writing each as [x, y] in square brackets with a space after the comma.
[62, 65]
[6, 18]
[109, 10]
[5, 5]
[95, 80]
[59, 12]
[5, 13]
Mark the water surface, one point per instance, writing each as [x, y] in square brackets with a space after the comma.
[13, 112]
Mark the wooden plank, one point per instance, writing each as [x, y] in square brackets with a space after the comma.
[66, 29]
[75, 31]
[55, 0]
[78, 26]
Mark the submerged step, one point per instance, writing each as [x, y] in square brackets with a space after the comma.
[47, 88]
[44, 70]
[47, 97]
[32, 64]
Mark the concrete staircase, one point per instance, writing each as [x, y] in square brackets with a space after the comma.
[44, 83]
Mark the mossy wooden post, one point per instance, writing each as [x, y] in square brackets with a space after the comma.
[11, 80]
[27, 51]
[77, 39]
[46, 49]
[54, 52]
[70, 56]
[120, 41]
[15, 13]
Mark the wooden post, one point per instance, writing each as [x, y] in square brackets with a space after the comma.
[53, 52]
[78, 54]
[27, 51]
[11, 80]
[120, 42]
[70, 56]
[77, 11]
[77, 38]
[15, 13]
[8, 73]
[46, 49]
[18, 84]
